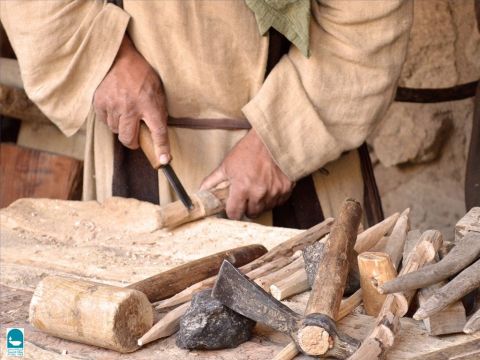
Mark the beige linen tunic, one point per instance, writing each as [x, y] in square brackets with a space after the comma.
[212, 59]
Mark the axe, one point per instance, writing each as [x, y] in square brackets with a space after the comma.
[314, 333]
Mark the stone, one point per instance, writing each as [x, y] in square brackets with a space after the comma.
[312, 255]
[411, 134]
[209, 325]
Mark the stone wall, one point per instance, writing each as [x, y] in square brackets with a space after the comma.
[420, 150]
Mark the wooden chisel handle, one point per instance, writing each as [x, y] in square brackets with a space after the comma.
[171, 282]
[330, 280]
[146, 144]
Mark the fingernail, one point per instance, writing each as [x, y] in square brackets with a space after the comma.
[164, 159]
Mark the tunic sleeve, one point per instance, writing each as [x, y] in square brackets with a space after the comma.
[64, 49]
[310, 110]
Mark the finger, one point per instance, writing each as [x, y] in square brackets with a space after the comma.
[236, 203]
[215, 178]
[112, 122]
[128, 132]
[156, 120]
[255, 207]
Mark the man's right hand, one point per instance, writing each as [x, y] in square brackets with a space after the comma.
[130, 92]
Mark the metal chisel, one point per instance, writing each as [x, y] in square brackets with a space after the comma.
[146, 143]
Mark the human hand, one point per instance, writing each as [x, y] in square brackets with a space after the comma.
[130, 92]
[256, 182]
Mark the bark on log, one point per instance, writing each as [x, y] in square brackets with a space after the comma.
[346, 307]
[285, 249]
[376, 345]
[465, 282]
[463, 254]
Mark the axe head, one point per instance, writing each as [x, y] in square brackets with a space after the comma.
[236, 291]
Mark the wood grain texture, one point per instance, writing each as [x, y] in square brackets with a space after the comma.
[91, 313]
[450, 320]
[293, 284]
[327, 292]
[368, 238]
[463, 254]
[473, 323]
[267, 280]
[375, 269]
[382, 337]
[32, 173]
[171, 282]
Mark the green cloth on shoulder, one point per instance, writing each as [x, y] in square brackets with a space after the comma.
[289, 17]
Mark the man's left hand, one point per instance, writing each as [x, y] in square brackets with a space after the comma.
[256, 182]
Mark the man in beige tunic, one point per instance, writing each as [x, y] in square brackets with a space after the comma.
[94, 63]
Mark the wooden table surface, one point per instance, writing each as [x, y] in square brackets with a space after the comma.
[117, 243]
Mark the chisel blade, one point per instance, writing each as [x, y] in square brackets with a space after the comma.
[177, 186]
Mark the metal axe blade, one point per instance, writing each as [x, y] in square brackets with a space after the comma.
[236, 291]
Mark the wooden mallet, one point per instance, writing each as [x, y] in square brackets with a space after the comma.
[113, 317]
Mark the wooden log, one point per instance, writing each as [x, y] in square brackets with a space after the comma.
[473, 324]
[395, 306]
[38, 174]
[91, 313]
[285, 249]
[368, 238]
[265, 281]
[450, 320]
[170, 282]
[294, 284]
[168, 325]
[396, 241]
[187, 294]
[346, 307]
[375, 269]
[470, 222]
[465, 282]
[327, 291]
[462, 255]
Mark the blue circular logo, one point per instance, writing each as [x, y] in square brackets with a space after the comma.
[15, 339]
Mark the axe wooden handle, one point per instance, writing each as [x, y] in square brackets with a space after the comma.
[171, 282]
[318, 335]
[329, 283]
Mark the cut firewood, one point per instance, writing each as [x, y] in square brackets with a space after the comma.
[462, 255]
[294, 284]
[375, 269]
[450, 320]
[396, 241]
[285, 249]
[473, 324]
[461, 285]
[187, 294]
[265, 281]
[368, 238]
[169, 324]
[395, 306]
[346, 307]
[470, 222]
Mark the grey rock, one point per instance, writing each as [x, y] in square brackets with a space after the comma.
[312, 255]
[209, 325]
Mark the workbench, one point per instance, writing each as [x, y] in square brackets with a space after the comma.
[116, 242]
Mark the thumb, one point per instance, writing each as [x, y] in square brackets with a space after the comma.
[215, 178]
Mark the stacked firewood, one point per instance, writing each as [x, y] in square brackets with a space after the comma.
[422, 261]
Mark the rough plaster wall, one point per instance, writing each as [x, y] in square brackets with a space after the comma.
[444, 51]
